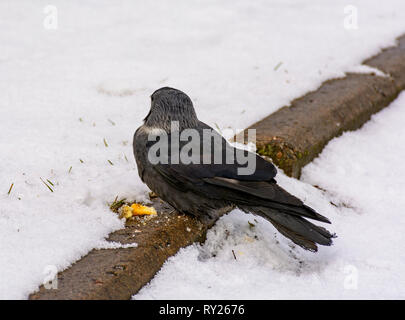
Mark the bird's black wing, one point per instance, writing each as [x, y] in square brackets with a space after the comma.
[257, 193]
[223, 181]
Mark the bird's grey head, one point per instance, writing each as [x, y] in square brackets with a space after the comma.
[168, 105]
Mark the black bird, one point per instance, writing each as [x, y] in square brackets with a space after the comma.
[202, 188]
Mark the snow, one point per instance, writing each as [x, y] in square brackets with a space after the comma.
[362, 172]
[65, 90]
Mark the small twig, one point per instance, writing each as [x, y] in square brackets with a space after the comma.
[81, 161]
[233, 252]
[105, 143]
[46, 184]
[219, 129]
[50, 182]
[117, 204]
[110, 162]
[278, 66]
[112, 122]
[70, 169]
[11, 187]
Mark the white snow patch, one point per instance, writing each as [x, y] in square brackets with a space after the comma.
[115, 245]
[368, 70]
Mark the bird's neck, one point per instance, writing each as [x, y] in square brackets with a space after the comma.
[170, 124]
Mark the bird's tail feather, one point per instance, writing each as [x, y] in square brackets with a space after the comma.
[302, 232]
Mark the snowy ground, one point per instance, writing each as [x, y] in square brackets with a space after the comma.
[66, 90]
[363, 174]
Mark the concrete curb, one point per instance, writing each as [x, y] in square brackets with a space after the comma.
[291, 137]
[118, 273]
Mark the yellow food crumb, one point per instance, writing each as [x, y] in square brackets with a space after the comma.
[140, 210]
[136, 210]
